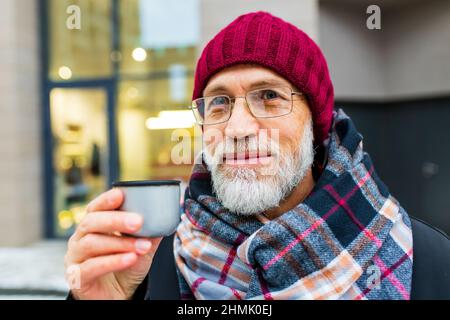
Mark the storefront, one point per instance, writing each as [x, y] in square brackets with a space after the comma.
[75, 103]
[114, 88]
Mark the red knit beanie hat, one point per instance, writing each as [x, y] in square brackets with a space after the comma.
[260, 38]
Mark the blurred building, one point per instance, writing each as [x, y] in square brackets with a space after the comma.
[82, 107]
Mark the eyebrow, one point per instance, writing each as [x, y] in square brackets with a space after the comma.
[222, 88]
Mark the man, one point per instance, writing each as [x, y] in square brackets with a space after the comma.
[285, 204]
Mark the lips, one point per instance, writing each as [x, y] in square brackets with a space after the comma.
[248, 157]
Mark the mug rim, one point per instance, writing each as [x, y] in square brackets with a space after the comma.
[146, 183]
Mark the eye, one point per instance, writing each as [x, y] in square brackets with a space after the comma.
[218, 106]
[218, 101]
[269, 95]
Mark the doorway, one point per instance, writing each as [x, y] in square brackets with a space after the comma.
[82, 150]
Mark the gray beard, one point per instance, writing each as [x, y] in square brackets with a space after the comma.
[248, 191]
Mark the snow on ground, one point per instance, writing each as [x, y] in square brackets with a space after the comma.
[33, 272]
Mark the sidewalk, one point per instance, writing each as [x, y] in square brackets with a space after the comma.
[33, 272]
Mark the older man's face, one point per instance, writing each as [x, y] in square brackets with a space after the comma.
[256, 162]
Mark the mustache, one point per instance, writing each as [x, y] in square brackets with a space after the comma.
[248, 146]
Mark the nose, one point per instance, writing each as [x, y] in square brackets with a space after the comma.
[241, 123]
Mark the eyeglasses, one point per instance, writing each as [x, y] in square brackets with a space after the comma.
[263, 103]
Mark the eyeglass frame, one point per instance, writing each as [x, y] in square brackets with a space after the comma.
[233, 100]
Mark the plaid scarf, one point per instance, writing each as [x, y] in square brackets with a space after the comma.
[349, 239]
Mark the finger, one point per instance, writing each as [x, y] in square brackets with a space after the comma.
[109, 200]
[109, 222]
[96, 267]
[155, 244]
[94, 245]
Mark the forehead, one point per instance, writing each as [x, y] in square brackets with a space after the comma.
[244, 76]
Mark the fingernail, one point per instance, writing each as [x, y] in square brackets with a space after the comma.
[143, 245]
[133, 222]
[128, 258]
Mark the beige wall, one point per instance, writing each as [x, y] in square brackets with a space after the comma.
[408, 58]
[20, 149]
[418, 50]
[354, 53]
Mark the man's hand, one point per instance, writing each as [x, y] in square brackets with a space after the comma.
[101, 263]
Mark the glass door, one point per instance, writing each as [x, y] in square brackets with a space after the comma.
[80, 152]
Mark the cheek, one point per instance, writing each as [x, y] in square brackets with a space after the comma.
[288, 133]
[289, 141]
[295, 127]
[212, 136]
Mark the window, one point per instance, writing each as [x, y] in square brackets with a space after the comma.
[84, 53]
